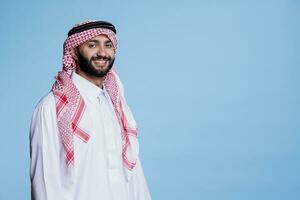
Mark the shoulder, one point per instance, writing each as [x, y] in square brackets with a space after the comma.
[43, 119]
[45, 109]
[46, 103]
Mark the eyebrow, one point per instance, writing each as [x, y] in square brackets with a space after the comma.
[96, 41]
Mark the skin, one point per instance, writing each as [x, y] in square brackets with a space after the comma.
[95, 50]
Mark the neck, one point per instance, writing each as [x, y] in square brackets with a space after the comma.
[98, 81]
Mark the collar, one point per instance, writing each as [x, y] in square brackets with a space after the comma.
[86, 87]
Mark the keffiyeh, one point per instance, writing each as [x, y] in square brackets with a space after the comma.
[70, 105]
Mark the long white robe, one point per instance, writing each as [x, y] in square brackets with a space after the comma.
[98, 171]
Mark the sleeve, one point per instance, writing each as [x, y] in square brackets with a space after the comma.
[138, 185]
[44, 152]
[138, 188]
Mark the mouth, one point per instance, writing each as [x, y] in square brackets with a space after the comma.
[101, 62]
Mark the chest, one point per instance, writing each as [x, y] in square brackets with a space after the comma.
[100, 122]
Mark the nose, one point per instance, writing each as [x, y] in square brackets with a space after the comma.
[101, 51]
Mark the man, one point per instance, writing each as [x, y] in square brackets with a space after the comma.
[83, 137]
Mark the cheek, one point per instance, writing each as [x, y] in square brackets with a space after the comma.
[88, 53]
[112, 53]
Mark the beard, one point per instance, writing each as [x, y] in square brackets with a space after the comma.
[87, 66]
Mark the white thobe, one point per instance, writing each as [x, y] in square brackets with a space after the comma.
[98, 170]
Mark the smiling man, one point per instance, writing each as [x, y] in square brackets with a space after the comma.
[83, 136]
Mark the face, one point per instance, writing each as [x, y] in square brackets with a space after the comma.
[96, 56]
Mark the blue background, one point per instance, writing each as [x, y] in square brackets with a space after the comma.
[214, 86]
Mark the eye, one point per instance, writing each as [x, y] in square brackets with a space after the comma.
[109, 45]
[91, 45]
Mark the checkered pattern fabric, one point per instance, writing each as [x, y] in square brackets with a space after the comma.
[70, 105]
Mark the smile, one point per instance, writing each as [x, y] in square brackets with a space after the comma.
[100, 61]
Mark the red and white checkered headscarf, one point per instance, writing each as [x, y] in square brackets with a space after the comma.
[70, 105]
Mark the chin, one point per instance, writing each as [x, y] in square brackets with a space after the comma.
[99, 71]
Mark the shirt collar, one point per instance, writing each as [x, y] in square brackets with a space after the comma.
[86, 87]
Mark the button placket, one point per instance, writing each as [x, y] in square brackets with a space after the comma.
[110, 143]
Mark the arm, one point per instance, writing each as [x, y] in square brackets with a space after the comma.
[44, 152]
[138, 188]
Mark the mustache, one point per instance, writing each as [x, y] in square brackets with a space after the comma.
[101, 58]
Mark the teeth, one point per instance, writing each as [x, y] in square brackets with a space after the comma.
[102, 62]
